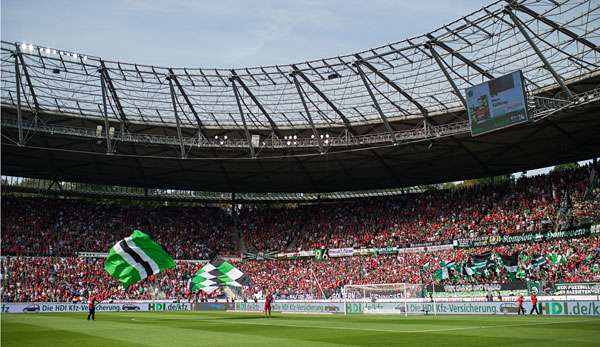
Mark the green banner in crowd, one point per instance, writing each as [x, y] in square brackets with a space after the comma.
[527, 237]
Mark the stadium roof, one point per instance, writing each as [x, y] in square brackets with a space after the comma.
[392, 116]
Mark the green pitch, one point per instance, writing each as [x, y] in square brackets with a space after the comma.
[243, 329]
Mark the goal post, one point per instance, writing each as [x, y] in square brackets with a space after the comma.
[390, 298]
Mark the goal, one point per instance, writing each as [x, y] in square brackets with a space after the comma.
[398, 298]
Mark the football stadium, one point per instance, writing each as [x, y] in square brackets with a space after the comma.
[438, 190]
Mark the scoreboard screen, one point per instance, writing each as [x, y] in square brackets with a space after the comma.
[497, 104]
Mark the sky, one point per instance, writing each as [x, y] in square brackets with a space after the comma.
[223, 33]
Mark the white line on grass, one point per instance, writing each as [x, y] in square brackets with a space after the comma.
[411, 331]
[385, 330]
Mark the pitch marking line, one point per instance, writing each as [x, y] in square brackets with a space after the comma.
[410, 331]
[387, 330]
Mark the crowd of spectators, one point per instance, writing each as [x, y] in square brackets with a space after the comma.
[310, 278]
[70, 278]
[523, 205]
[63, 227]
[38, 226]
[43, 236]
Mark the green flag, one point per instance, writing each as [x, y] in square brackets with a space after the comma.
[558, 258]
[538, 262]
[442, 273]
[439, 275]
[510, 263]
[478, 263]
[217, 274]
[135, 258]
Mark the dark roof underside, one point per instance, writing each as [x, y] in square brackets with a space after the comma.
[566, 137]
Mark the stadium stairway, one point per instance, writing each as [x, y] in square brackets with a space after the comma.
[292, 245]
[236, 235]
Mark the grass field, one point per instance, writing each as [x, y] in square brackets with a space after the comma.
[243, 329]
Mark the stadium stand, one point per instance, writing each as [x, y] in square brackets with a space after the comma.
[527, 204]
[42, 237]
[69, 278]
[70, 226]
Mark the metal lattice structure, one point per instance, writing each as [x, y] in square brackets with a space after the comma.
[408, 78]
[398, 94]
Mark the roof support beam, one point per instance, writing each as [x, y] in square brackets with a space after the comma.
[188, 102]
[114, 95]
[177, 120]
[18, 86]
[237, 78]
[384, 119]
[28, 79]
[239, 104]
[325, 98]
[539, 53]
[440, 64]
[554, 25]
[459, 56]
[310, 120]
[105, 112]
[396, 87]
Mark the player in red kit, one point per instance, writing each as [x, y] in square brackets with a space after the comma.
[521, 308]
[268, 301]
[91, 307]
[534, 304]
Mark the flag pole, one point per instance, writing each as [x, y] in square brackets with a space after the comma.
[433, 297]
[318, 284]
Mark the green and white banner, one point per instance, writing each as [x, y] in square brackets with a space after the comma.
[525, 237]
[135, 258]
[577, 289]
[217, 274]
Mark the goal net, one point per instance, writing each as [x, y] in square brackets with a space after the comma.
[389, 291]
[397, 298]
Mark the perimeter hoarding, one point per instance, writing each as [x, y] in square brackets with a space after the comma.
[297, 307]
[53, 307]
[497, 104]
[574, 308]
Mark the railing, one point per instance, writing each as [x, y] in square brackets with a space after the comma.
[540, 108]
[11, 184]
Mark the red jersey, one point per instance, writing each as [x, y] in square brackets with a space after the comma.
[268, 300]
[91, 302]
[520, 300]
[534, 299]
